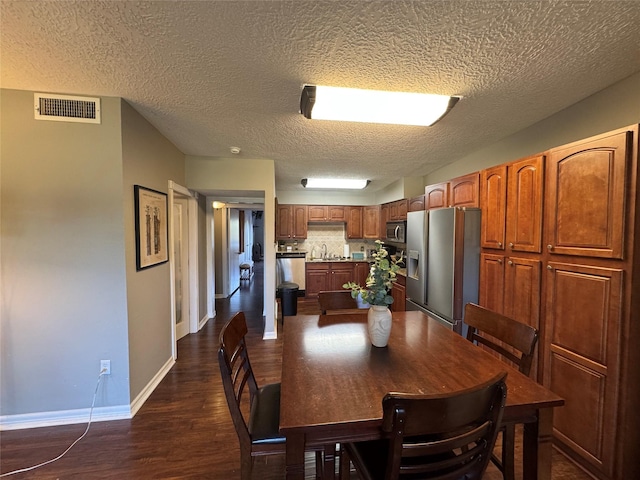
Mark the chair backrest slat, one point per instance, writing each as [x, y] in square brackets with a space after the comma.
[517, 335]
[444, 435]
[236, 370]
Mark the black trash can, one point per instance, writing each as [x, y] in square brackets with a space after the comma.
[288, 293]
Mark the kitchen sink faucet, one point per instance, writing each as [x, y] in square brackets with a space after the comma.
[324, 251]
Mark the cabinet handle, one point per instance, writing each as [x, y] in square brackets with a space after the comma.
[549, 247]
[499, 260]
[510, 262]
[499, 244]
[549, 267]
[510, 244]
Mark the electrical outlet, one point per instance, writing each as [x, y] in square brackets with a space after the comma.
[105, 367]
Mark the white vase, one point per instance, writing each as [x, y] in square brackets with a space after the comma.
[379, 325]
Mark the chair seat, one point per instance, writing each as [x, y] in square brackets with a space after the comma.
[264, 419]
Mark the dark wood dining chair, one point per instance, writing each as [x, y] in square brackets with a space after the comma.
[444, 436]
[337, 301]
[260, 435]
[521, 339]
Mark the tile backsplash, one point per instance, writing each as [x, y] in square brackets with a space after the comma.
[333, 236]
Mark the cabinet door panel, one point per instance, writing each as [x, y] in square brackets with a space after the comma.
[522, 297]
[465, 191]
[398, 292]
[354, 222]
[493, 200]
[492, 282]
[283, 226]
[336, 213]
[524, 205]
[416, 204]
[586, 197]
[317, 213]
[317, 279]
[341, 273]
[299, 221]
[583, 331]
[371, 222]
[436, 196]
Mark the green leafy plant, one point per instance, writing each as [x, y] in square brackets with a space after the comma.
[380, 279]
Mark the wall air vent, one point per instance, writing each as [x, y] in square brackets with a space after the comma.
[64, 108]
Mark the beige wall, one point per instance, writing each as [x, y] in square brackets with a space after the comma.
[150, 160]
[62, 261]
[614, 107]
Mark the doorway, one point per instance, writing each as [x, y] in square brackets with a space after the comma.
[183, 264]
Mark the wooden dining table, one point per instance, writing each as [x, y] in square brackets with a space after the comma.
[333, 381]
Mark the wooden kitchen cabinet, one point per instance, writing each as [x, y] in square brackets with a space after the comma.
[491, 294]
[316, 278]
[511, 286]
[416, 204]
[361, 272]
[524, 204]
[582, 291]
[371, 222]
[354, 222]
[461, 191]
[465, 191]
[321, 276]
[511, 202]
[399, 294]
[397, 211]
[583, 332]
[436, 196]
[585, 204]
[326, 213]
[291, 222]
[493, 202]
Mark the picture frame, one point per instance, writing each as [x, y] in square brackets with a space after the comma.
[152, 232]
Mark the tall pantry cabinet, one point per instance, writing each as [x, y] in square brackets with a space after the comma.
[561, 249]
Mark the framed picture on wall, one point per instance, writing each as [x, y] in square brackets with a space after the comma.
[152, 232]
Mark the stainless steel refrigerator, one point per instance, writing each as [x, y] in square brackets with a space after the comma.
[443, 263]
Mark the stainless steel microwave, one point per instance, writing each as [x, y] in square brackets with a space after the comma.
[396, 232]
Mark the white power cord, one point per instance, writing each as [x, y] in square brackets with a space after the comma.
[95, 394]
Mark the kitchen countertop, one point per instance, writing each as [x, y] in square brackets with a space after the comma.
[340, 259]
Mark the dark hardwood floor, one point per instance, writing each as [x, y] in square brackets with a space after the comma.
[184, 429]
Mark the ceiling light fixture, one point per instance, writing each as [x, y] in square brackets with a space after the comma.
[373, 106]
[334, 183]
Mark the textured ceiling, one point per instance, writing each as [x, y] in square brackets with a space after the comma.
[215, 74]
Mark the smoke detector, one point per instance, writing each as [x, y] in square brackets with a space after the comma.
[235, 150]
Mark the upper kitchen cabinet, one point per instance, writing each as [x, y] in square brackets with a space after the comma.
[416, 203]
[493, 201]
[436, 195]
[371, 222]
[326, 213]
[461, 191]
[398, 210]
[354, 222]
[291, 222]
[586, 195]
[524, 204]
[465, 191]
[511, 202]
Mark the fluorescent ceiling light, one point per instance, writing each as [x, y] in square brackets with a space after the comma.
[334, 183]
[373, 106]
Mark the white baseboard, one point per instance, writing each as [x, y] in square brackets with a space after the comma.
[203, 321]
[151, 386]
[81, 415]
[64, 417]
